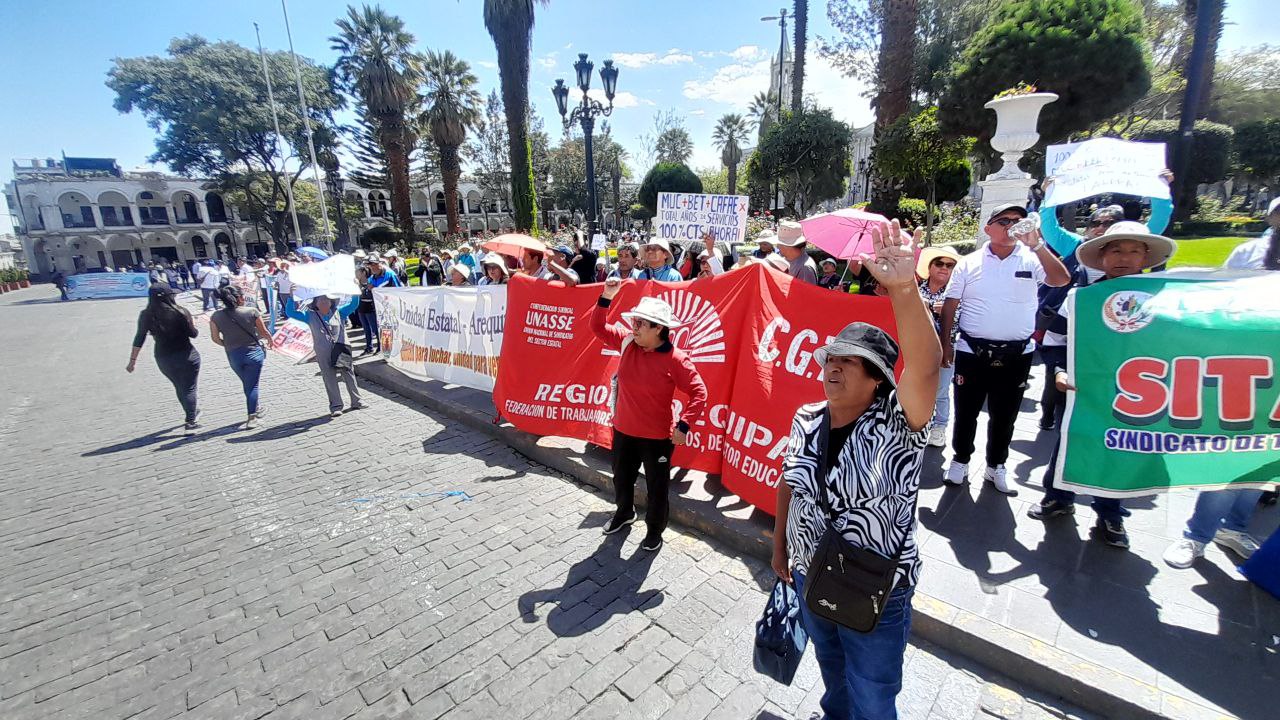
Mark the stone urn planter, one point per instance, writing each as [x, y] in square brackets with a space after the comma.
[1016, 118]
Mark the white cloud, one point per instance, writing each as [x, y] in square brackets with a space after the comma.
[548, 61]
[620, 100]
[746, 52]
[698, 113]
[737, 83]
[487, 64]
[705, 54]
[674, 56]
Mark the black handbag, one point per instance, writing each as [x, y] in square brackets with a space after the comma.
[846, 584]
[780, 636]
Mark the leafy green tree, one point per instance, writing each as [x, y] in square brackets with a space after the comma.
[208, 104]
[763, 111]
[1247, 86]
[666, 177]
[809, 153]
[452, 107]
[1090, 52]
[913, 149]
[715, 180]
[1210, 157]
[371, 170]
[376, 64]
[568, 170]
[1165, 30]
[674, 146]
[510, 23]
[491, 153]
[730, 133]
[540, 157]
[1258, 149]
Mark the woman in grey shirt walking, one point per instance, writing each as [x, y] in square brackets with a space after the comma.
[327, 333]
[240, 331]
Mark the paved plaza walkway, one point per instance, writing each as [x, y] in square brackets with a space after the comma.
[387, 563]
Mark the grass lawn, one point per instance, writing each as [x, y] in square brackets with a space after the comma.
[1209, 252]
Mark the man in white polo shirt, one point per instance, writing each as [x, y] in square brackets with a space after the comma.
[998, 285]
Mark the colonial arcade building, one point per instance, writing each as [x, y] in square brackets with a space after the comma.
[79, 214]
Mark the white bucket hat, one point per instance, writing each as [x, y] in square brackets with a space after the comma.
[462, 269]
[1159, 247]
[790, 234]
[360, 254]
[392, 253]
[660, 243]
[655, 311]
[495, 259]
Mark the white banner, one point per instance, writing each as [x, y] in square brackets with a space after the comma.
[335, 277]
[686, 217]
[1104, 165]
[444, 333]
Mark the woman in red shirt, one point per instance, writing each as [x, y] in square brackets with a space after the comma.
[650, 371]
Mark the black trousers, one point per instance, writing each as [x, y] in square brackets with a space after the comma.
[183, 370]
[1000, 388]
[629, 453]
[1052, 400]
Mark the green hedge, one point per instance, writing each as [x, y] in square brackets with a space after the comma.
[1198, 228]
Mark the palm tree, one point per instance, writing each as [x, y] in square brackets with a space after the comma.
[895, 68]
[797, 67]
[377, 65]
[763, 111]
[729, 135]
[510, 23]
[452, 106]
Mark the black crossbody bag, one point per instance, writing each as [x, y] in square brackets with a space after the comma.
[846, 584]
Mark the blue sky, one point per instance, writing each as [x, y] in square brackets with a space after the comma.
[702, 58]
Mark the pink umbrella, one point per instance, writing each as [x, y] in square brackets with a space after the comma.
[843, 233]
[513, 245]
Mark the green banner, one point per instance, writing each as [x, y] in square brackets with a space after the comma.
[1177, 385]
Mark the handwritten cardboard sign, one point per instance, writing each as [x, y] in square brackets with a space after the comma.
[1104, 165]
[687, 217]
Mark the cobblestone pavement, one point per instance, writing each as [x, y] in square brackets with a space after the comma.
[382, 564]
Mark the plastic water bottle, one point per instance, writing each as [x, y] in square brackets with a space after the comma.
[1025, 226]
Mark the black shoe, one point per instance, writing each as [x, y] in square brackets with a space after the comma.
[651, 542]
[1268, 497]
[1046, 509]
[191, 428]
[1047, 424]
[1112, 533]
[619, 521]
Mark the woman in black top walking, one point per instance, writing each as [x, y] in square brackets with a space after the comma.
[367, 312]
[172, 328]
[240, 331]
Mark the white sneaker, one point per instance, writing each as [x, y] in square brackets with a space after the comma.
[958, 473]
[251, 423]
[996, 476]
[1237, 542]
[938, 436]
[1183, 552]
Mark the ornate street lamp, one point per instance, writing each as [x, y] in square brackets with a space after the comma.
[585, 114]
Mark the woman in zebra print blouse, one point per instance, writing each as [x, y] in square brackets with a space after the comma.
[870, 475]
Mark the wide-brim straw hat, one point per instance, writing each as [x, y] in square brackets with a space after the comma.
[790, 234]
[929, 254]
[655, 311]
[1159, 247]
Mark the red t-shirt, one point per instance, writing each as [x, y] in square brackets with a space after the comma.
[647, 381]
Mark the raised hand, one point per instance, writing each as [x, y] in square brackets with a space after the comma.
[892, 261]
[611, 288]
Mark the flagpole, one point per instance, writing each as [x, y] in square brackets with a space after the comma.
[275, 119]
[306, 123]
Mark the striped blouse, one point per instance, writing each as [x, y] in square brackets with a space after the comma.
[871, 488]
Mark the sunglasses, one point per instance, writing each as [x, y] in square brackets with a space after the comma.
[1103, 223]
[1003, 222]
[943, 264]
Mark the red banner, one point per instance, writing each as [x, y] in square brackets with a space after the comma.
[751, 333]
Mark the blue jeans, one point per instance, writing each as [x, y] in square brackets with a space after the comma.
[208, 298]
[247, 363]
[862, 672]
[1107, 508]
[369, 321]
[1216, 509]
[942, 403]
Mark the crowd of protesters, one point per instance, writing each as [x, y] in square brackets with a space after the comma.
[968, 330]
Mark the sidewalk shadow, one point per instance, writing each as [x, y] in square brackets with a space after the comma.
[136, 443]
[278, 432]
[603, 575]
[975, 529]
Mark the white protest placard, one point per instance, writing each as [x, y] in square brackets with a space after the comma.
[598, 241]
[1104, 165]
[334, 277]
[687, 217]
[444, 333]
